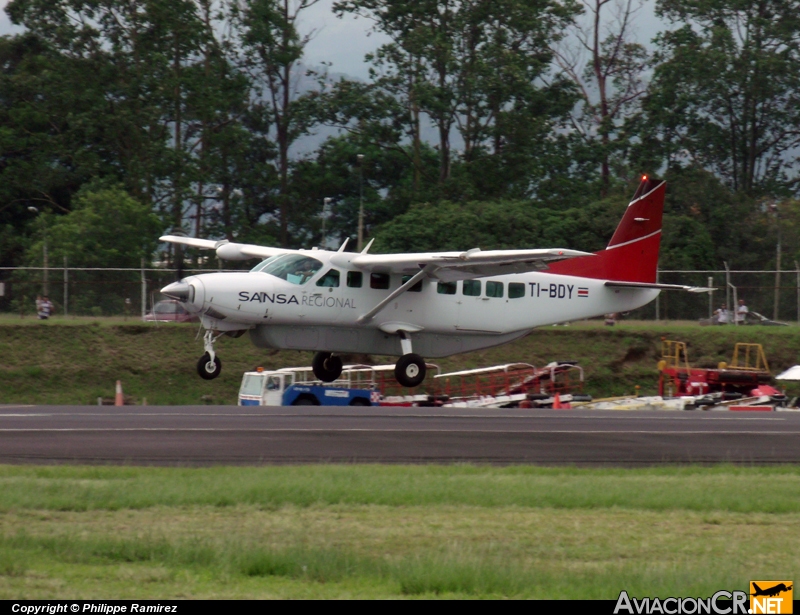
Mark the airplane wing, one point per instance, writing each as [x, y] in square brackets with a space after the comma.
[225, 249]
[452, 266]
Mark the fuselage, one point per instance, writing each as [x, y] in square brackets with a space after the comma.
[326, 303]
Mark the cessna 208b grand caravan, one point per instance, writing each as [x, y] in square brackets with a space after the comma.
[414, 305]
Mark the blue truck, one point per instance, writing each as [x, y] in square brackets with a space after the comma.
[297, 387]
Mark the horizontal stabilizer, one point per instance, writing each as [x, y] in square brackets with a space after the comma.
[691, 289]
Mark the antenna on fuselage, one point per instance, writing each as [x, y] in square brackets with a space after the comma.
[343, 245]
[366, 249]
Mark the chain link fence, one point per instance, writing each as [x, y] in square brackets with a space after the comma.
[86, 291]
[133, 292]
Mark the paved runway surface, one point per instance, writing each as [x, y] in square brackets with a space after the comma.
[205, 435]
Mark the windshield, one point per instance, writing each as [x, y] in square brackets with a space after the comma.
[263, 264]
[294, 268]
[251, 384]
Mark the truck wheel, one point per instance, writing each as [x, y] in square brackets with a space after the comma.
[305, 401]
[410, 370]
[326, 367]
[360, 401]
[207, 368]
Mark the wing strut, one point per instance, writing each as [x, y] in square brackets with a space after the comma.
[365, 318]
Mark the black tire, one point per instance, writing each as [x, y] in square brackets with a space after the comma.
[326, 366]
[410, 370]
[305, 401]
[360, 401]
[207, 369]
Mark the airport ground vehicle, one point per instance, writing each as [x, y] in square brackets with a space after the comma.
[747, 375]
[358, 385]
[170, 310]
[295, 386]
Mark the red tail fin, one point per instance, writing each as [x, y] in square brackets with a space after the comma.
[632, 253]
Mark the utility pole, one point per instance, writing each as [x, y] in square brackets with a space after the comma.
[360, 158]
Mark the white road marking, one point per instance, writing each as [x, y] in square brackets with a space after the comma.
[405, 430]
[415, 416]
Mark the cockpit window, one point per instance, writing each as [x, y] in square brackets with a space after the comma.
[294, 268]
[263, 264]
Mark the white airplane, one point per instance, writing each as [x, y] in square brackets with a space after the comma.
[438, 303]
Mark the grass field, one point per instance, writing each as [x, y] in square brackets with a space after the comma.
[75, 361]
[385, 532]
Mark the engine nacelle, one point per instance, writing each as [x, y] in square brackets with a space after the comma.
[231, 251]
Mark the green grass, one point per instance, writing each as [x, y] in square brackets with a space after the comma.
[384, 532]
[729, 488]
[76, 361]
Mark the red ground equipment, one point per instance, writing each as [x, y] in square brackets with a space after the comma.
[747, 375]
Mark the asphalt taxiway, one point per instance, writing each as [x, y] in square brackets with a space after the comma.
[208, 435]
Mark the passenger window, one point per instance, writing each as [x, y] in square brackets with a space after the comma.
[446, 288]
[494, 289]
[516, 290]
[472, 288]
[330, 279]
[355, 279]
[379, 281]
[414, 289]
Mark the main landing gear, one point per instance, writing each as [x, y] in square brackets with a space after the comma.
[209, 366]
[410, 367]
[327, 367]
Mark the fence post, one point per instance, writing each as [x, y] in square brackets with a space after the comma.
[658, 300]
[711, 297]
[797, 270]
[144, 291]
[66, 287]
[727, 285]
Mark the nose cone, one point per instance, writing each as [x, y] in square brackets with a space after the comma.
[179, 291]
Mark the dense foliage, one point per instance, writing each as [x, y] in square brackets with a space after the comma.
[504, 123]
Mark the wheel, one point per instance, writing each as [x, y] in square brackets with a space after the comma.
[305, 401]
[410, 370]
[360, 401]
[326, 366]
[207, 368]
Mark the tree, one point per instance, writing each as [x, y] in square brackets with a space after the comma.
[725, 93]
[476, 67]
[271, 51]
[610, 82]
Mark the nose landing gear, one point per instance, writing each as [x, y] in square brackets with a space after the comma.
[209, 366]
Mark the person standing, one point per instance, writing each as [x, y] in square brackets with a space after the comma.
[741, 313]
[722, 315]
[44, 307]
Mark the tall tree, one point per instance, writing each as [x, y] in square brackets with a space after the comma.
[607, 66]
[272, 49]
[725, 93]
[473, 66]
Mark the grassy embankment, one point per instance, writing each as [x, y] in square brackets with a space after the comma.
[77, 361]
[371, 531]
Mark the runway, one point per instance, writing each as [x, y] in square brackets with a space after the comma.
[213, 435]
